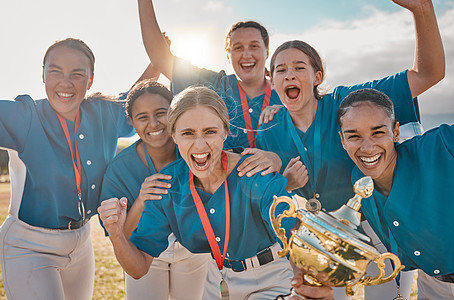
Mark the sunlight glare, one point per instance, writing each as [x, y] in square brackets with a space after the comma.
[194, 48]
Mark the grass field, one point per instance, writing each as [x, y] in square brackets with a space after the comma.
[108, 275]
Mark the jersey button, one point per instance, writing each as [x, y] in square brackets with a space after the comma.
[88, 162]
[395, 223]
[245, 130]
[436, 271]
[81, 136]
[218, 239]
[417, 253]
[250, 110]
[93, 186]
[212, 211]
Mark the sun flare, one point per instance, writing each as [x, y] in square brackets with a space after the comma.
[194, 48]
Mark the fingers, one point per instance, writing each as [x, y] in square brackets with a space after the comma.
[313, 292]
[292, 162]
[158, 180]
[249, 151]
[110, 210]
[268, 113]
[252, 165]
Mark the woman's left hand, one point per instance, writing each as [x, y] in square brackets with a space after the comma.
[268, 113]
[261, 160]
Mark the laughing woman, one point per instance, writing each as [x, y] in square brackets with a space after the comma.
[176, 273]
[209, 209]
[411, 208]
[312, 156]
[246, 93]
[59, 149]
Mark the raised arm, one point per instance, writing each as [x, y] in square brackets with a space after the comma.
[429, 64]
[154, 41]
[113, 215]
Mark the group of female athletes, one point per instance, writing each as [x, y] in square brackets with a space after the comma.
[186, 207]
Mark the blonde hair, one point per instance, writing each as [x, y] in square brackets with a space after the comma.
[190, 98]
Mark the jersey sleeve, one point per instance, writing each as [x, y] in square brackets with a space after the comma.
[396, 87]
[447, 137]
[124, 126]
[186, 74]
[15, 121]
[267, 187]
[151, 235]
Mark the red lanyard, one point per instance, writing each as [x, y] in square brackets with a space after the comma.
[206, 222]
[77, 169]
[247, 116]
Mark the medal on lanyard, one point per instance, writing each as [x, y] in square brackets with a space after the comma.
[399, 296]
[247, 116]
[76, 164]
[209, 229]
[313, 204]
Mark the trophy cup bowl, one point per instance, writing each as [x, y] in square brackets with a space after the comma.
[327, 248]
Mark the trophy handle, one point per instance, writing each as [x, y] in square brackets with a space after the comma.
[276, 222]
[380, 261]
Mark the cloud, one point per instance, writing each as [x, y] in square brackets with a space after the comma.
[215, 7]
[377, 46]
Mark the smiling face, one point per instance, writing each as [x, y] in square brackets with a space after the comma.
[294, 79]
[149, 118]
[200, 134]
[67, 77]
[248, 54]
[368, 136]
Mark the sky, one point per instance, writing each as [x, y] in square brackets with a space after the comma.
[359, 40]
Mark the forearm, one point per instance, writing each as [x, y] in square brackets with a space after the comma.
[155, 44]
[429, 63]
[134, 261]
[133, 217]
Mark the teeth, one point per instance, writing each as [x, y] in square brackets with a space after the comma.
[65, 95]
[248, 64]
[370, 160]
[156, 132]
[200, 156]
[202, 166]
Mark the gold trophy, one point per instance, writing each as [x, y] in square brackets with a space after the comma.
[327, 248]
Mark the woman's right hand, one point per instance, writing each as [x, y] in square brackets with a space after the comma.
[113, 215]
[309, 292]
[153, 187]
[296, 174]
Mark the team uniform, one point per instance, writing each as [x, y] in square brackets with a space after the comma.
[320, 148]
[252, 267]
[328, 164]
[40, 257]
[415, 221]
[226, 86]
[176, 272]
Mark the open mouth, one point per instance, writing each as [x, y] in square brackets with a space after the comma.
[247, 66]
[370, 161]
[201, 160]
[292, 92]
